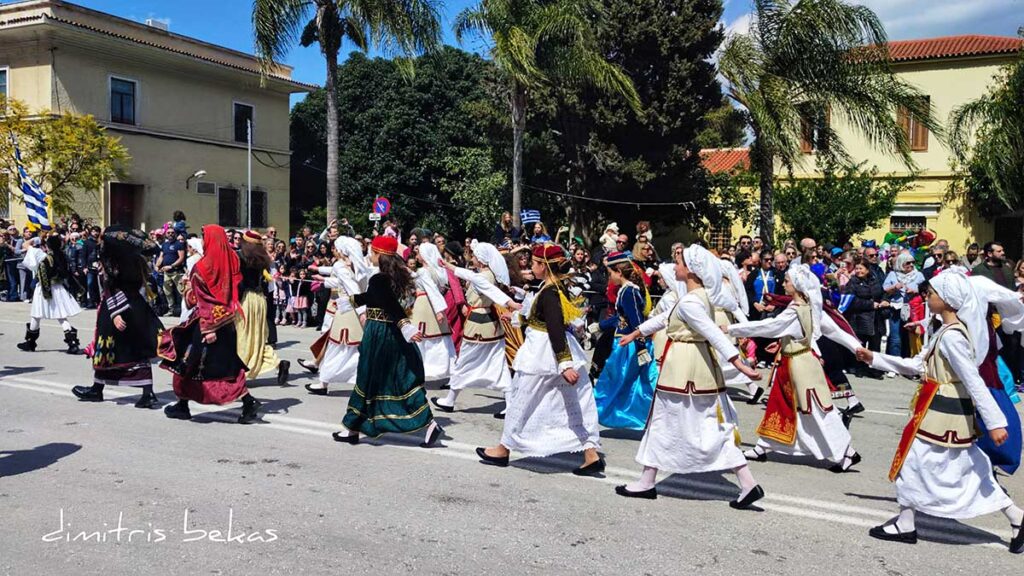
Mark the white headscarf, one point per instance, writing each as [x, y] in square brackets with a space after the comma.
[431, 257]
[353, 250]
[196, 244]
[709, 270]
[955, 290]
[668, 275]
[488, 255]
[806, 283]
[1006, 301]
[738, 292]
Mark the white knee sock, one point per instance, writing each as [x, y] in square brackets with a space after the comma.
[450, 399]
[646, 481]
[746, 480]
[33, 323]
[903, 523]
[852, 401]
[65, 325]
[1015, 515]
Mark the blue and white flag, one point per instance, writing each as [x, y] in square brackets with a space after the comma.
[844, 302]
[529, 216]
[37, 205]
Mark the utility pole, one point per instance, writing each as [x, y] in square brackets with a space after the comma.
[248, 191]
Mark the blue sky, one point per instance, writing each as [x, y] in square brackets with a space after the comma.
[228, 23]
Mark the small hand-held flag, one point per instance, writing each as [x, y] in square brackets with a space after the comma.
[529, 216]
[37, 204]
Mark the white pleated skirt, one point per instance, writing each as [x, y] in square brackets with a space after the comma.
[949, 482]
[684, 435]
[339, 364]
[59, 305]
[481, 365]
[546, 415]
[438, 357]
[819, 434]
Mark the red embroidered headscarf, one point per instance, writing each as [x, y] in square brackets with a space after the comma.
[219, 267]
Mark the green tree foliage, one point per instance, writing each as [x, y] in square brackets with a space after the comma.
[846, 201]
[809, 60]
[726, 127]
[994, 159]
[66, 155]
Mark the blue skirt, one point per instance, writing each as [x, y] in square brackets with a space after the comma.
[1007, 456]
[625, 390]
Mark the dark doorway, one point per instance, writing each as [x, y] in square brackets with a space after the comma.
[124, 200]
[1008, 232]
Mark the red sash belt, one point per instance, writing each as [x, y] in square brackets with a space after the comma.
[922, 400]
[779, 422]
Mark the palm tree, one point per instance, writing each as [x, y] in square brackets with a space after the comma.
[539, 43]
[804, 64]
[405, 27]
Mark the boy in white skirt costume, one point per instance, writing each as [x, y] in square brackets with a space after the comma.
[338, 346]
[551, 407]
[481, 362]
[938, 468]
[50, 300]
[692, 426]
[428, 315]
[800, 419]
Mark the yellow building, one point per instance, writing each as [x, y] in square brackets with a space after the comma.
[950, 72]
[178, 104]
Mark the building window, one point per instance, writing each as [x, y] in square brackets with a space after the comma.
[719, 236]
[259, 208]
[243, 116]
[3, 81]
[814, 126]
[206, 188]
[122, 101]
[916, 132]
[904, 223]
[227, 207]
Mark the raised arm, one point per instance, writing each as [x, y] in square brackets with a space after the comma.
[785, 324]
[485, 288]
[958, 351]
[693, 312]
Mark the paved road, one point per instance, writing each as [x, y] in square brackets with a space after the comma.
[302, 504]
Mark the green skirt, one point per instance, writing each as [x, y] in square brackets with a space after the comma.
[388, 395]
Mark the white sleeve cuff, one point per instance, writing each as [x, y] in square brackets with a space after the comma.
[408, 331]
[563, 366]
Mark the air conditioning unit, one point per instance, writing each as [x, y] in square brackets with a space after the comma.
[207, 188]
[158, 24]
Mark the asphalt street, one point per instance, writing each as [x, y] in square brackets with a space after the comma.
[111, 489]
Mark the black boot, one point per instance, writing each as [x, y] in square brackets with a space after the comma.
[282, 372]
[250, 410]
[71, 339]
[29, 345]
[92, 393]
[148, 399]
[178, 411]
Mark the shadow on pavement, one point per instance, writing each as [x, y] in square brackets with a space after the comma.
[14, 462]
[18, 370]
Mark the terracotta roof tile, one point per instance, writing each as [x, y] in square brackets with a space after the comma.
[717, 160]
[952, 47]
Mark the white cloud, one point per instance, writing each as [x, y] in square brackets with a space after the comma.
[922, 19]
[741, 25]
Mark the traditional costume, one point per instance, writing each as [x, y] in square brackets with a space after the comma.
[546, 415]
[625, 388]
[337, 349]
[800, 419]
[51, 300]
[251, 325]
[122, 356]
[202, 353]
[692, 427]
[389, 394]
[481, 362]
[938, 468]
[436, 348]
[732, 307]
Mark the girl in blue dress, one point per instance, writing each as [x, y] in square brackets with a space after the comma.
[625, 388]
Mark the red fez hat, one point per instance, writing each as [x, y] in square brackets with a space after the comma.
[253, 237]
[385, 245]
[550, 253]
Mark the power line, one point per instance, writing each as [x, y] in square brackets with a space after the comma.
[692, 205]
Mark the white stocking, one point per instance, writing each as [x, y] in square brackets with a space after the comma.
[646, 481]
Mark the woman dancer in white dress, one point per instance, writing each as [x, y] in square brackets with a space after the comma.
[692, 427]
[800, 419]
[732, 308]
[551, 407]
[481, 362]
[194, 247]
[339, 359]
[429, 317]
[50, 299]
[938, 468]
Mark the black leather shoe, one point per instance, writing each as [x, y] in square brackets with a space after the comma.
[592, 469]
[500, 462]
[854, 460]
[651, 494]
[854, 410]
[445, 386]
[148, 401]
[310, 366]
[352, 439]
[282, 372]
[761, 457]
[1017, 544]
[178, 411]
[757, 396]
[499, 415]
[902, 537]
[443, 408]
[88, 393]
[250, 412]
[433, 438]
[316, 391]
[753, 496]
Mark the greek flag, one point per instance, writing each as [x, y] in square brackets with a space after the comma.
[844, 302]
[529, 216]
[36, 203]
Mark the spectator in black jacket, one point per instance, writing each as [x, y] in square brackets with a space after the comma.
[89, 264]
[862, 312]
[505, 229]
[871, 257]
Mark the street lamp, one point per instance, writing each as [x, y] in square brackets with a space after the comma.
[199, 174]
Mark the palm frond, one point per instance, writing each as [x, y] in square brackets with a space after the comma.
[278, 24]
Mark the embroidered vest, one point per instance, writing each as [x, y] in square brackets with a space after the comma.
[482, 323]
[793, 346]
[688, 363]
[424, 317]
[805, 371]
[949, 420]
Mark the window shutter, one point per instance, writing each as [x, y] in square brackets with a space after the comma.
[920, 136]
[903, 119]
[806, 134]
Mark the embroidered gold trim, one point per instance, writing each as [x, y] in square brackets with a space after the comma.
[377, 315]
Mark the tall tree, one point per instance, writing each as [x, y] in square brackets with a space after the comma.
[806, 64]
[407, 27]
[540, 43]
[987, 136]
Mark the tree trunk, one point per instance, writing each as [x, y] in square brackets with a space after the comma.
[518, 101]
[764, 165]
[333, 135]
